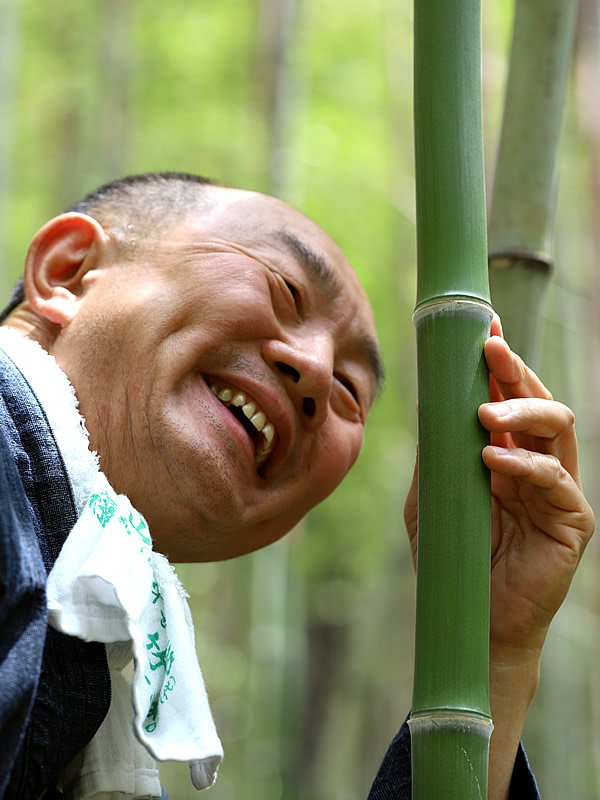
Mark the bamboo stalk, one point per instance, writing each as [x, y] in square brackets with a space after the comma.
[10, 39]
[117, 56]
[522, 211]
[275, 604]
[450, 722]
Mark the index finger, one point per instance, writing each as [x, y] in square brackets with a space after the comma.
[511, 376]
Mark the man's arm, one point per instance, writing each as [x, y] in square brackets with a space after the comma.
[541, 523]
[22, 612]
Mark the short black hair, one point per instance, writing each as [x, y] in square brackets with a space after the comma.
[149, 198]
[135, 207]
[16, 297]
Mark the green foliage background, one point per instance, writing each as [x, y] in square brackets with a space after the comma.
[307, 647]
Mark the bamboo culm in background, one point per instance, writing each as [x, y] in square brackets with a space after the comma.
[523, 199]
[274, 602]
[450, 722]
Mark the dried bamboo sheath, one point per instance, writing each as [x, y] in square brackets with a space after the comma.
[450, 720]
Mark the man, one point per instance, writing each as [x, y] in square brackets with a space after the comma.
[225, 359]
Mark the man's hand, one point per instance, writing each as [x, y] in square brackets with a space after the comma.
[541, 523]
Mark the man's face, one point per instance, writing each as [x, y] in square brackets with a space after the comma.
[225, 375]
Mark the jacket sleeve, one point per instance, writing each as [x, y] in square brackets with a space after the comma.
[22, 612]
[393, 781]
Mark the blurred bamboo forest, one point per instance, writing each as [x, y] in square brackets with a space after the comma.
[306, 647]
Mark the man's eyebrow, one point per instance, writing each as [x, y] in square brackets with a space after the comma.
[313, 264]
[317, 268]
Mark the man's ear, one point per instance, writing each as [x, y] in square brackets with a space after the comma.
[60, 255]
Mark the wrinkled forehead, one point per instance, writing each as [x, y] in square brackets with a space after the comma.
[259, 221]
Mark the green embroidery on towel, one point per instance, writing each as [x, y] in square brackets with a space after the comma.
[152, 715]
[153, 641]
[156, 595]
[164, 658]
[169, 685]
[139, 528]
[103, 507]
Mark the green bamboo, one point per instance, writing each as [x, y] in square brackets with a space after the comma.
[274, 603]
[523, 199]
[450, 722]
[10, 41]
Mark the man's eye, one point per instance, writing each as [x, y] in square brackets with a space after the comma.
[347, 384]
[294, 293]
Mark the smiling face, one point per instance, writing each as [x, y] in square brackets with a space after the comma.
[225, 374]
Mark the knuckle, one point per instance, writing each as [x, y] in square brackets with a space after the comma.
[559, 473]
[557, 466]
[589, 522]
[583, 526]
[569, 416]
[553, 471]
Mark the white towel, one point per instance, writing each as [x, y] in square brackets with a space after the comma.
[107, 585]
[132, 769]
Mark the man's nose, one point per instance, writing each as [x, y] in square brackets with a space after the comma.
[306, 370]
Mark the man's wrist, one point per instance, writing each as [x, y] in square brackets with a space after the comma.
[515, 674]
[513, 684]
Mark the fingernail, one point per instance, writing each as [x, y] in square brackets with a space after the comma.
[502, 409]
[499, 451]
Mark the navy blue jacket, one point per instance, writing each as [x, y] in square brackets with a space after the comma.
[55, 689]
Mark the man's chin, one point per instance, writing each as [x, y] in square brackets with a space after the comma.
[205, 545]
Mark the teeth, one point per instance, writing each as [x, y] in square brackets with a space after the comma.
[268, 432]
[249, 409]
[263, 451]
[258, 418]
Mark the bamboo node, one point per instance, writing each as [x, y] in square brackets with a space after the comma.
[536, 260]
[480, 726]
[451, 304]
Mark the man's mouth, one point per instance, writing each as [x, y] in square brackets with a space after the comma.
[247, 411]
